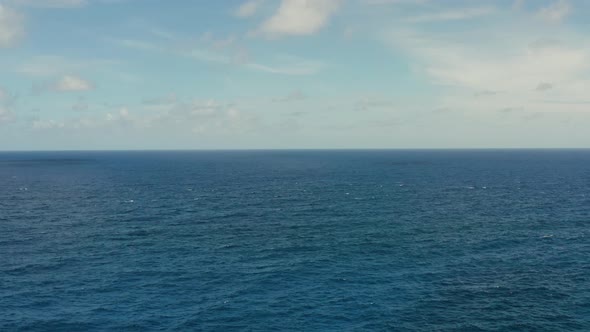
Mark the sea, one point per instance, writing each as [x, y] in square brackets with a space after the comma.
[295, 240]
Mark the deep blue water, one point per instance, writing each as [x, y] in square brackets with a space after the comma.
[295, 240]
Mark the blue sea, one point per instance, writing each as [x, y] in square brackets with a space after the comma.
[392, 240]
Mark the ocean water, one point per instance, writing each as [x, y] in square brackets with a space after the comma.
[295, 241]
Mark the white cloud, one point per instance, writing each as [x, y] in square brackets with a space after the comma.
[47, 124]
[452, 15]
[299, 17]
[51, 3]
[295, 95]
[517, 4]
[248, 8]
[544, 86]
[555, 12]
[501, 59]
[294, 69]
[44, 65]
[11, 27]
[122, 114]
[202, 117]
[71, 83]
[3, 95]
[224, 52]
[485, 65]
[6, 115]
[394, 2]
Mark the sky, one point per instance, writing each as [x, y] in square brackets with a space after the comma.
[277, 74]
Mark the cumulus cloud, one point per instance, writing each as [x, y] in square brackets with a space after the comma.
[11, 27]
[71, 83]
[299, 17]
[162, 115]
[47, 124]
[555, 12]
[248, 8]
[6, 115]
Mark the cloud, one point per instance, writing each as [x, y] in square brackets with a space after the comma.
[555, 12]
[71, 83]
[485, 93]
[301, 68]
[45, 66]
[201, 117]
[6, 115]
[80, 105]
[544, 87]
[6, 102]
[394, 2]
[369, 103]
[482, 66]
[47, 124]
[453, 15]
[518, 4]
[299, 18]
[11, 27]
[226, 52]
[51, 3]
[248, 8]
[66, 83]
[295, 95]
[161, 101]
[460, 65]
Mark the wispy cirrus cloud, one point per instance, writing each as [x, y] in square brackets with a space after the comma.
[226, 52]
[53, 65]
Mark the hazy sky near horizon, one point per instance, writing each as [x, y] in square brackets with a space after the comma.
[182, 74]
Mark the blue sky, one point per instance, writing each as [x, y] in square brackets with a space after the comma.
[239, 74]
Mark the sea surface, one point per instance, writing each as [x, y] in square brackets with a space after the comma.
[466, 240]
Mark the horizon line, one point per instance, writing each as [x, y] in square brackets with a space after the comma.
[303, 149]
